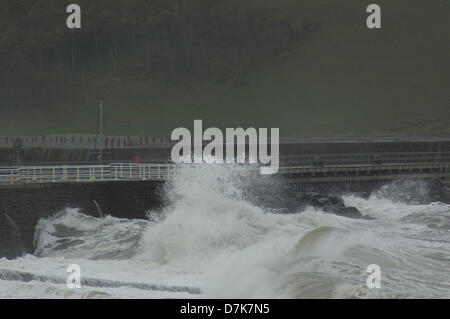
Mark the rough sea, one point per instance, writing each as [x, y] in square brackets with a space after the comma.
[214, 240]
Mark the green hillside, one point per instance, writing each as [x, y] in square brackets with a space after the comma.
[336, 78]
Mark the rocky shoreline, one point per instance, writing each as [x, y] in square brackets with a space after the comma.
[291, 202]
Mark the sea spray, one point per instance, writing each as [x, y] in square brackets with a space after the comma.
[216, 239]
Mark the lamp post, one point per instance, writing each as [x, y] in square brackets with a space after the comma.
[98, 157]
[101, 130]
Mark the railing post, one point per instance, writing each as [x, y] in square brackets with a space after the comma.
[78, 174]
[12, 177]
[53, 175]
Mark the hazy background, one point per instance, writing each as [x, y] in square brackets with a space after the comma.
[310, 67]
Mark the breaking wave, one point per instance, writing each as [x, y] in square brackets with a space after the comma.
[215, 239]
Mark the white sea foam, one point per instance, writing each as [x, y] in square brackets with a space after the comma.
[214, 241]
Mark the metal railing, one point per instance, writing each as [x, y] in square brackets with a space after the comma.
[287, 160]
[84, 173]
[365, 158]
[68, 172]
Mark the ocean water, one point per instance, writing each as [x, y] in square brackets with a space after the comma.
[215, 240]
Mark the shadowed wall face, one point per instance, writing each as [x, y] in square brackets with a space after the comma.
[26, 205]
[161, 152]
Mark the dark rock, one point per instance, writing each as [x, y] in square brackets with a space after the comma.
[440, 191]
[351, 212]
[293, 202]
[324, 200]
[336, 201]
[329, 203]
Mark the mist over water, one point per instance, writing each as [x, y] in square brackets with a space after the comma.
[218, 237]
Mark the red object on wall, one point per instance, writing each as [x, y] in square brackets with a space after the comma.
[136, 159]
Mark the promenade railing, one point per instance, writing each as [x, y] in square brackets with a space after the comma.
[84, 173]
[97, 172]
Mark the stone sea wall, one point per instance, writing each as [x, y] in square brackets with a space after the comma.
[22, 207]
[80, 147]
[80, 141]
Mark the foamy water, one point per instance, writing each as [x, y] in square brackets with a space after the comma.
[212, 241]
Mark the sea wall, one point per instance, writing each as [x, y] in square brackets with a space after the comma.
[80, 141]
[22, 207]
[80, 148]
